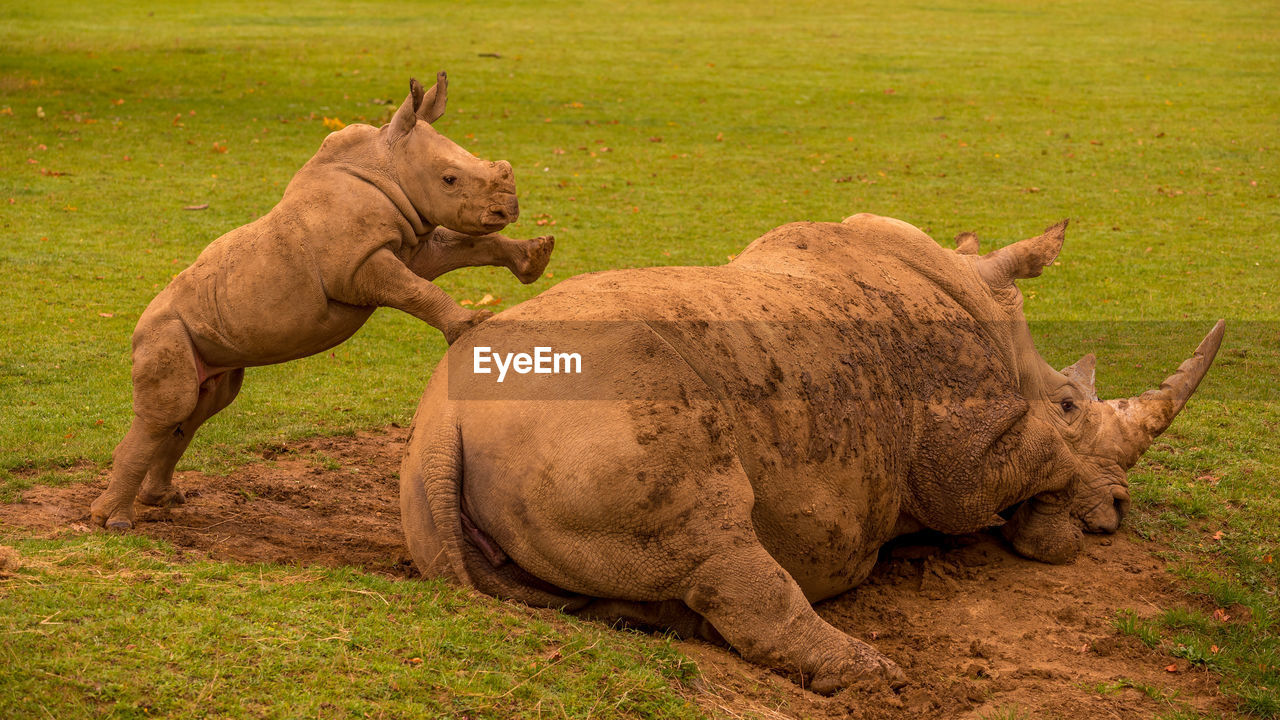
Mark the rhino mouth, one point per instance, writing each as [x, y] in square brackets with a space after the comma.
[1104, 511]
[500, 215]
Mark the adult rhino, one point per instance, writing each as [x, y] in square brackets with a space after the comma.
[743, 439]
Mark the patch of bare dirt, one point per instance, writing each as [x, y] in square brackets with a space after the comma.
[980, 631]
[326, 501]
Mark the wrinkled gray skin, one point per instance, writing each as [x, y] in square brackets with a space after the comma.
[744, 438]
[366, 223]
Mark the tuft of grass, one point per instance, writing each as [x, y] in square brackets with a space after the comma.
[1128, 623]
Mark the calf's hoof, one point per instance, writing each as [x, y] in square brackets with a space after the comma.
[532, 258]
[472, 318]
[863, 668]
[104, 514]
[166, 498]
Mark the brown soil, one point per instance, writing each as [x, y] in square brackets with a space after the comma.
[979, 631]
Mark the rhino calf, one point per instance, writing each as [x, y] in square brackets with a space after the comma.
[368, 222]
[744, 438]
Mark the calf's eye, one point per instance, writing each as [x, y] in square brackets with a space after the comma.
[449, 179]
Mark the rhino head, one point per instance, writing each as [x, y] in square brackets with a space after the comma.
[447, 185]
[1102, 438]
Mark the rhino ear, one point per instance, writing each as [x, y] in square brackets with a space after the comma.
[1084, 371]
[967, 243]
[433, 102]
[406, 116]
[1023, 259]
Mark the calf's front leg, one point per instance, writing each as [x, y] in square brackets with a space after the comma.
[385, 281]
[447, 250]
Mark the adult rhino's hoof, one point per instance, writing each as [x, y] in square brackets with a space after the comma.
[863, 669]
[168, 498]
[532, 258]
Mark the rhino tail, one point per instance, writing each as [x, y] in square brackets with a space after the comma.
[454, 546]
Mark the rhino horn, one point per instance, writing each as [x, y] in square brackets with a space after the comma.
[1144, 417]
[967, 243]
[432, 104]
[1023, 259]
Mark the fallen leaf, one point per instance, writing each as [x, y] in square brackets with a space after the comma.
[1220, 615]
[40, 112]
[1218, 536]
[106, 315]
[488, 300]
[334, 123]
[466, 302]
[414, 661]
[655, 138]
[202, 206]
[1214, 649]
[219, 148]
[1171, 668]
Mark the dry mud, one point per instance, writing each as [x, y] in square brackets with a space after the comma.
[979, 631]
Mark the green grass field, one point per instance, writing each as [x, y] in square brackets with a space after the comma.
[641, 134]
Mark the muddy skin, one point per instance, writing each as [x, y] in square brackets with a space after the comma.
[745, 438]
[368, 222]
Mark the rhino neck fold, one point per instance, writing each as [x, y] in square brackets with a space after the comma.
[392, 191]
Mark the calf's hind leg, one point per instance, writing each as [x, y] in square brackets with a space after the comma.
[165, 393]
[215, 394]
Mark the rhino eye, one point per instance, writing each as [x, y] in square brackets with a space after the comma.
[1067, 406]
[450, 179]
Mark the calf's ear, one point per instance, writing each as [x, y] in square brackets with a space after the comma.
[406, 116]
[432, 106]
[967, 243]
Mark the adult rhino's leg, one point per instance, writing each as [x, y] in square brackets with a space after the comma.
[165, 392]
[668, 616]
[763, 614]
[215, 395]
[448, 250]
